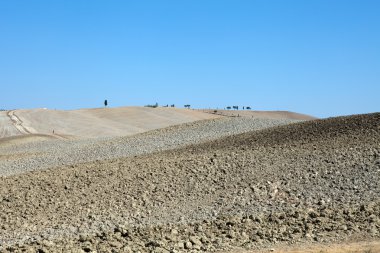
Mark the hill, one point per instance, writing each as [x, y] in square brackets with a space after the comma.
[93, 123]
[106, 122]
[314, 181]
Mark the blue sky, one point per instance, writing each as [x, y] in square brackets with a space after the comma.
[319, 57]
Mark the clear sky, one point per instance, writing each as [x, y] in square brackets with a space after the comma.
[319, 57]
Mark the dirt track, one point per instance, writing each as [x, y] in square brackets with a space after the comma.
[315, 181]
[6, 126]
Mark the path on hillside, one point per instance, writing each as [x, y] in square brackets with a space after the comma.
[6, 126]
[17, 122]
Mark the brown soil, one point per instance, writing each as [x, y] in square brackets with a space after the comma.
[310, 182]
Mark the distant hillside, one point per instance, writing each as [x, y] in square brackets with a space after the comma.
[104, 122]
[90, 123]
[260, 114]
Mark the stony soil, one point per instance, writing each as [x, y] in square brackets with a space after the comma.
[35, 152]
[315, 181]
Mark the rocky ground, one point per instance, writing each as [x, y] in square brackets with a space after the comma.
[315, 181]
[35, 152]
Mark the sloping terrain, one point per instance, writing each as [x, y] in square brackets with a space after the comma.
[35, 152]
[260, 114]
[94, 123]
[109, 122]
[7, 127]
[315, 181]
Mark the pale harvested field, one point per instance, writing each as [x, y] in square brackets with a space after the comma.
[107, 122]
[94, 123]
[260, 114]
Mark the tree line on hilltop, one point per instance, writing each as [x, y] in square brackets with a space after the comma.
[235, 107]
